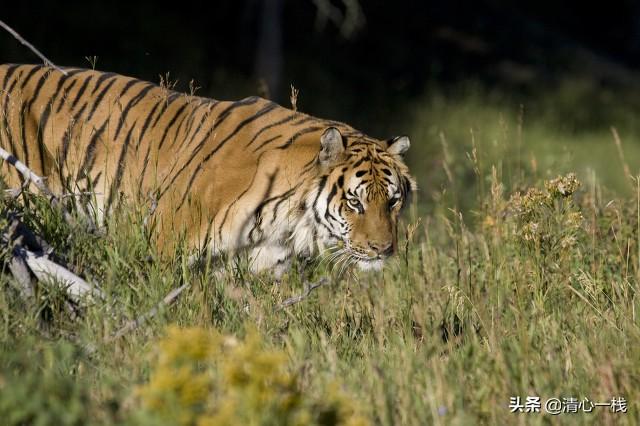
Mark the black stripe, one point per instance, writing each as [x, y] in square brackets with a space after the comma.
[360, 161]
[321, 185]
[146, 122]
[65, 95]
[99, 98]
[23, 132]
[146, 162]
[36, 93]
[192, 118]
[34, 69]
[94, 182]
[177, 132]
[66, 138]
[90, 152]
[186, 189]
[314, 207]
[223, 115]
[187, 140]
[128, 86]
[257, 213]
[46, 113]
[280, 198]
[132, 102]
[283, 198]
[242, 124]
[24, 110]
[104, 77]
[81, 91]
[224, 218]
[260, 113]
[267, 142]
[10, 70]
[278, 123]
[44, 117]
[308, 165]
[332, 193]
[56, 92]
[167, 102]
[5, 114]
[117, 180]
[171, 123]
[297, 135]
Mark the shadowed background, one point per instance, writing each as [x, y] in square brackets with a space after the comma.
[541, 81]
[493, 295]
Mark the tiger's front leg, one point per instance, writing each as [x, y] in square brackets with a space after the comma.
[270, 257]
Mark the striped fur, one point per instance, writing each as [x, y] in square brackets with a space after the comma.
[248, 174]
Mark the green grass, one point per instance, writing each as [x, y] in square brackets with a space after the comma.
[490, 297]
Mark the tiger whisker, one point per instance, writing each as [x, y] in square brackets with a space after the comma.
[330, 257]
[342, 258]
[345, 265]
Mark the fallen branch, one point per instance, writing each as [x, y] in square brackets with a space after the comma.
[134, 324]
[20, 272]
[18, 37]
[308, 288]
[44, 269]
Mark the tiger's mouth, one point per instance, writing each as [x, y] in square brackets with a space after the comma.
[366, 262]
[343, 256]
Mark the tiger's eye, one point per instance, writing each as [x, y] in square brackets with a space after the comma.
[355, 204]
[393, 202]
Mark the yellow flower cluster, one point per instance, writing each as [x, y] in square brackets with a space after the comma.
[205, 378]
[562, 185]
[548, 215]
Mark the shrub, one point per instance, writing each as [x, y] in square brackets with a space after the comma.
[202, 377]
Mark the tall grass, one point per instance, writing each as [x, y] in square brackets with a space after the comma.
[509, 282]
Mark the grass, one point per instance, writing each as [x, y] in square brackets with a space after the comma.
[504, 286]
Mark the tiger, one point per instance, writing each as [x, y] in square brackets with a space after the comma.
[229, 176]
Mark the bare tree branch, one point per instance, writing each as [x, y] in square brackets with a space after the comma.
[308, 288]
[44, 269]
[31, 47]
[134, 324]
[20, 272]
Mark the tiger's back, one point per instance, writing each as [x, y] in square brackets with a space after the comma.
[228, 173]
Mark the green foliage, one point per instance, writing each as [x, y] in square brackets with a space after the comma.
[40, 385]
[511, 280]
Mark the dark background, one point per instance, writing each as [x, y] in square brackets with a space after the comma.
[371, 63]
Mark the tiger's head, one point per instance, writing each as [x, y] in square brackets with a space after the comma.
[362, 186]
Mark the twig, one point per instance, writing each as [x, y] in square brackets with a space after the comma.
[134, 324]
[30, 176]
[308, 288]
[30, 46]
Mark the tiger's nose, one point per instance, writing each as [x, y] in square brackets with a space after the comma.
[382, 249]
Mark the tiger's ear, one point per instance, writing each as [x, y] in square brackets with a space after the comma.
[331, 146]
[398, 145]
